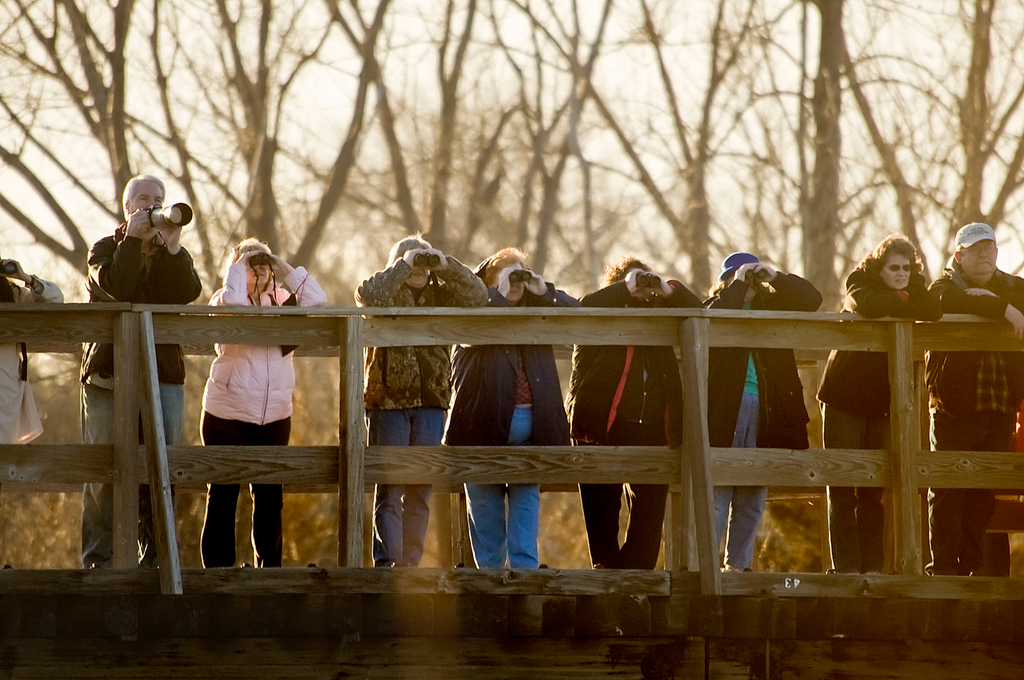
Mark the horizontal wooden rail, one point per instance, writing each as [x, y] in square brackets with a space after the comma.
[441, 465]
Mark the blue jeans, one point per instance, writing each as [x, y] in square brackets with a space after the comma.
[741, 507]
[98, 499]
[495, 536]
[856, 516]
[400, 513]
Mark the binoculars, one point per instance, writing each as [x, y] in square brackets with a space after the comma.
[426, 260]
[648, 280]
[261, 258]
[756, 276]
[520, 276]
[8, 269]
[177, 215]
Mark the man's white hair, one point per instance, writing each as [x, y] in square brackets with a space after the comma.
[129, 189]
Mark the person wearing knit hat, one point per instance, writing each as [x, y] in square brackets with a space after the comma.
[754, 395]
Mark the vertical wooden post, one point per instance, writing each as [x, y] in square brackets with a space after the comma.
[352, 443]
[156, 455]
[696, 449]
[905, 443]
[125, 537]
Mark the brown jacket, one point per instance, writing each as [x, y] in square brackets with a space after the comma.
[414, 377]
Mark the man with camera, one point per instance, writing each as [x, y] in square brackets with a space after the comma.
[143, 262]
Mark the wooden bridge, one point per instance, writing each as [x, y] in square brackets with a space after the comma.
[690, 621]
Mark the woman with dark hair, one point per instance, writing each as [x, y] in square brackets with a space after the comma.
[755, 397]
[248, 399]
[627, 396]
[507, 395]
[854, 395]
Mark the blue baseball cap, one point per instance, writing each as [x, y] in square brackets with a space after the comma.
[734, 262]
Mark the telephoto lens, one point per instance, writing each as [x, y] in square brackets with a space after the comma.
[426, 260]
[9, 269]
[520, 275]
[177, 215]
[648, 280]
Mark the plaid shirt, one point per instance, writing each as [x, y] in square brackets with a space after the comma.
[993, 392]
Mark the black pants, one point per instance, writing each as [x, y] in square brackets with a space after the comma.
[957, 518]
[645, 505]
[218, 543]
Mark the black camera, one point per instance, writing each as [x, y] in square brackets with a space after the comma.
[426, 260]
[520, 276]
[9, 268]
[648, 280]
[261, 258]
[756, 276]
[177, 215]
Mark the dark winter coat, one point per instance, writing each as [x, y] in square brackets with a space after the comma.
[117, 273]
[783, 417]
[858, 382]
[484, 385]
[597, 372]
[953, 376]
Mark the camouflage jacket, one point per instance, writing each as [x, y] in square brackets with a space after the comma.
[413, 377]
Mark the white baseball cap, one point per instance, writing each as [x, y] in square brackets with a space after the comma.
[972, 233]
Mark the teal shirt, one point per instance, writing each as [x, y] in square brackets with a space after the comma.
[750, 385]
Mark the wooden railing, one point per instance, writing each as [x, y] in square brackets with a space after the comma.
[694, 468]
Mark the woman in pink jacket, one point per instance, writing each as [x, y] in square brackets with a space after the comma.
[248, 399]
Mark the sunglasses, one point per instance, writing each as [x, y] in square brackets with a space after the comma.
[899, 267]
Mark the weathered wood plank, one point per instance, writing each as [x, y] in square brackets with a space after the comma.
[126, 441]
[59, 323]
[352, 444]
[519, 330]
[342, 580]
[329, 658]
[811, 467]
[693, 340]
[869, 586]
[970, 469]
[72, 464]
[516, 464]
[799, 332]
[156, 456]
[51, 464]
[245, 329]
[905, 442]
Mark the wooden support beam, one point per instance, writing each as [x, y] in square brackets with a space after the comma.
[905, 442]
[352, 443]
[162, 501]
[125, 538]
[696, 448]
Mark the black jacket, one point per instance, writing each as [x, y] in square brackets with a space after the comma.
[116, 275]
[783, 416]
[484, 385]
[598, 370]
[858, 382]
[953, 376]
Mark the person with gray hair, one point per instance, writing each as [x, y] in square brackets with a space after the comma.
[407, 388]
[142, 261]
[973, 396]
